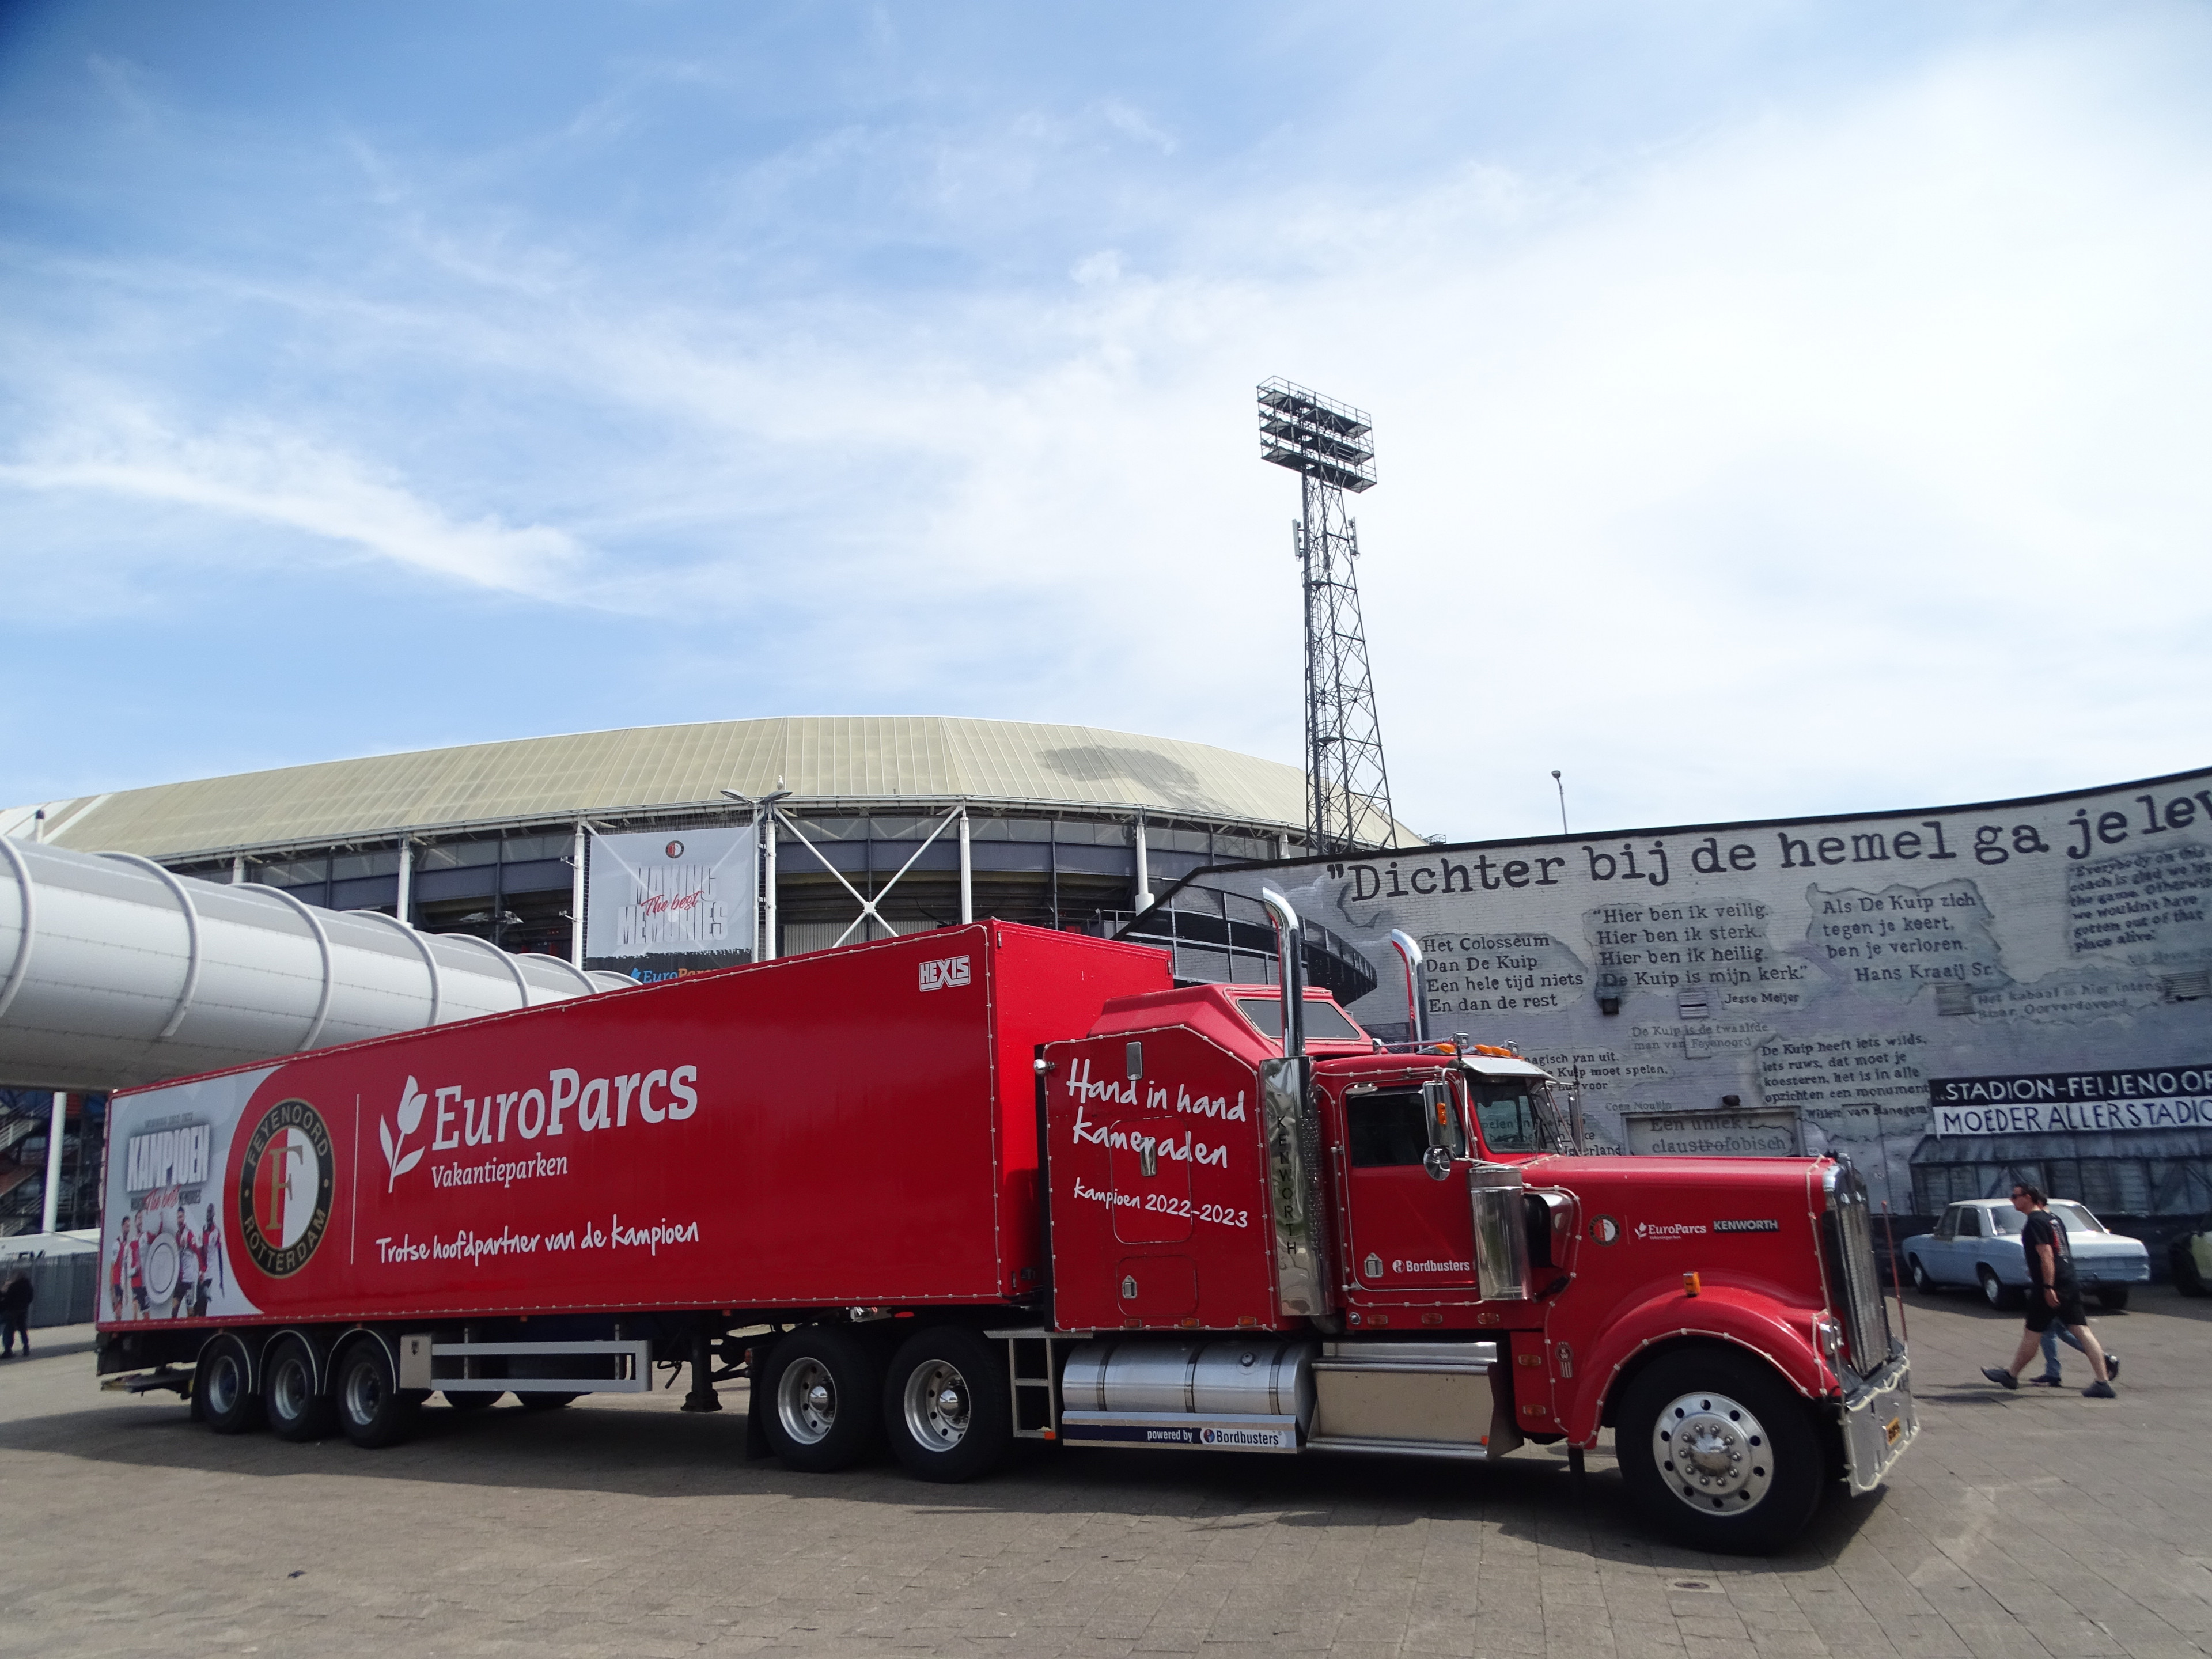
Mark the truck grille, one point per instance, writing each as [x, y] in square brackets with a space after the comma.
[1854, 1282]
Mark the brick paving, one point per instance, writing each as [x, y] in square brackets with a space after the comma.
[2020, 1524]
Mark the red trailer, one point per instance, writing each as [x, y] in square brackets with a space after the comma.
[993, 1183]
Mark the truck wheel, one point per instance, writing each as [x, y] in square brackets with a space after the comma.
[296, 1411]
[823, 1388]
[372, 1409]
[540, 1401]
[222, 1388]
[1995, 1292]
[946, 1408]
[2114, 1297]
[1921, 1281]
[1719, 1452]
[470, 1399]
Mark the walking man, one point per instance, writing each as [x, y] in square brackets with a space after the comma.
[2052, 1294]
[15, 1314]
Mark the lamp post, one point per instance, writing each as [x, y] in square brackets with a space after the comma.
[1562, 788]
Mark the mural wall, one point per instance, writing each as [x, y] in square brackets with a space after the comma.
[1738, 987]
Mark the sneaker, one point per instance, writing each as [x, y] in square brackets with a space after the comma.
[2111, 1364]
[2046, 1382]
[2098, 1391]
[2003, 1379]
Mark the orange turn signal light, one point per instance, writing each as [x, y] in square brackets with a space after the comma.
[1691, 1284]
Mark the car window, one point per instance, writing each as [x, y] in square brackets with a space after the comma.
[1949, 1226]
[2009, 1221]
[2076, 1217]
[1389, 1129]
[1970, 1224]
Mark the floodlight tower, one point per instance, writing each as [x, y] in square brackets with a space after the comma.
[1331, 446]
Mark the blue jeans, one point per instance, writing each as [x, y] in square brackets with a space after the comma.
[2053, 1334]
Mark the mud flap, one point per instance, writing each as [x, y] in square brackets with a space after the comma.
[1504, 1428]
[756, 1446]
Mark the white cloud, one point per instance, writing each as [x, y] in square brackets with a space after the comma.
[276, 480]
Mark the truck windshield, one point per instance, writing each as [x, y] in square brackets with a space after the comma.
[1509, 1113]
[1325, 1021]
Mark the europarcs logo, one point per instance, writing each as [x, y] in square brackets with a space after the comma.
[284, 1187]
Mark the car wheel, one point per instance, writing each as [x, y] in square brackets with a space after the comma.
[2114, 1297]
[945, 1407]
[2186, 1278]
[1995, 1292]
[222, 1388]
[1921, 1281]
[297, 1410]
[373, 1410]
[824, 1391]
[1718, 1453]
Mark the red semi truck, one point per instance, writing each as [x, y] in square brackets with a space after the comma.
[990, 1184]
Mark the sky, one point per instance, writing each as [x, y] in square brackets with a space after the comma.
[1781, 409]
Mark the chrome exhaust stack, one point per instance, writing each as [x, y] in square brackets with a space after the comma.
[1409, 951]
[1290, 969]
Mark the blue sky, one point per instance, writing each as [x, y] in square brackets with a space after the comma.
[1780, 408]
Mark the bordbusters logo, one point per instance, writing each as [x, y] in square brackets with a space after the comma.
[284, 1187]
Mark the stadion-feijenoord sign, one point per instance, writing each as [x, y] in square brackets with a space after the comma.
[2175, 1098]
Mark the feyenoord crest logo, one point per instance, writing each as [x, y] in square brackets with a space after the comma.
[284, 1189]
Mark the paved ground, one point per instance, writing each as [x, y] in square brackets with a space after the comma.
[2020, 1524]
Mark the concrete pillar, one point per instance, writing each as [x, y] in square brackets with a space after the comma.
[764, 948]
[1144, 871]
[966, 874]
[58, 1125]
[576, 895]
[238, 869]
[405, 907]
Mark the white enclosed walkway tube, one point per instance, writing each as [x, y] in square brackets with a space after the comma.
[113, 971]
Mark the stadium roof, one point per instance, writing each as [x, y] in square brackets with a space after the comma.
[825, 761]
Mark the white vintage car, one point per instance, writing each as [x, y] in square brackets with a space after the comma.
[1976, 1243]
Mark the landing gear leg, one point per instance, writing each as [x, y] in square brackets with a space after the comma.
[703, 1397]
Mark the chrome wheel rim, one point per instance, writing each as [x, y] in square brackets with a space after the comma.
[364, 1392]
[1713, 1454]
[291, 1388]
[937, 1405]
[806, 1401]
[1992, 1292]
[224, 1384]
[1919, 1275]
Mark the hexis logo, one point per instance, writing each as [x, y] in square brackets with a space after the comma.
[946, 971]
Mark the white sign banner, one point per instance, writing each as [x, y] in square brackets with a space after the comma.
[670, 894]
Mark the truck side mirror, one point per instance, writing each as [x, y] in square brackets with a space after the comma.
[1439, 1112]
[1438, 1161]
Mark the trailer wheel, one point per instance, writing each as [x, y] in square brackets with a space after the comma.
[1718, 1453]
[295, 1410]
[469, 1400]
[946, 1408]
[823, 1388]
[222, 1388]
[540, 1401]
[372, 1409]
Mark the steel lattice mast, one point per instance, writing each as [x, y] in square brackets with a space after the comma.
[1331, 446]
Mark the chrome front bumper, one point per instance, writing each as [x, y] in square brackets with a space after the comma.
[1879, 1422]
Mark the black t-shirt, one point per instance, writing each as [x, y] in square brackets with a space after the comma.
[2044, 1228]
